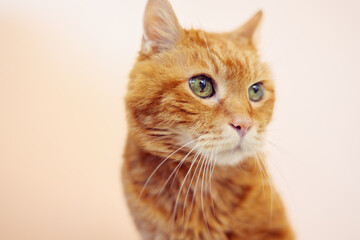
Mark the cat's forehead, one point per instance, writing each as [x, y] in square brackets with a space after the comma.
[221, 55]
[220, 43]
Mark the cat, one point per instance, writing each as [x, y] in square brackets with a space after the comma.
[198, 105]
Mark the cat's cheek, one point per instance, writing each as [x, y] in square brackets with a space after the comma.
[185, 138]
[252, 143]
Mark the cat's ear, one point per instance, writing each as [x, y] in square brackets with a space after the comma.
[249, 30]
[161, 27]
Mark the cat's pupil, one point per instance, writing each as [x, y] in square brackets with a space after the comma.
[202, 84]
[255, 88]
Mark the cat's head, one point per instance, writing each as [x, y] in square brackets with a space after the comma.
[204, 93]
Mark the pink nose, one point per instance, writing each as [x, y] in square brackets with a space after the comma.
[242, 126]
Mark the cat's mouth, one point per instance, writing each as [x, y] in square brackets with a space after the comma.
[231, 156]
[235, 149]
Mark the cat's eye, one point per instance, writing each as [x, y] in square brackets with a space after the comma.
[256, 92]
[202, 86]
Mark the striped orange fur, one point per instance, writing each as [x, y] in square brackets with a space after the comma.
[190, 169]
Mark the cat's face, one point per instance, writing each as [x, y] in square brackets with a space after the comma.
[207, 92]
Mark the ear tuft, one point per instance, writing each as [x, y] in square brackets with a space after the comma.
[161, 27]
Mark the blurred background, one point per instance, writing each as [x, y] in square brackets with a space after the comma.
[63, 74]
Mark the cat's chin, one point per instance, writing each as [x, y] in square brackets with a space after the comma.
[231, 157]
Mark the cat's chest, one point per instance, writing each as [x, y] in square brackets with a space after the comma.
[195, 206]
[201, 195]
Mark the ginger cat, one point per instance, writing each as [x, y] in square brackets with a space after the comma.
[198, 104]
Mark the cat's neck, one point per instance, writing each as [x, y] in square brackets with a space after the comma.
[160, 174]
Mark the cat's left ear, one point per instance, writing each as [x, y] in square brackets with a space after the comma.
[249, 30]
[161, 27]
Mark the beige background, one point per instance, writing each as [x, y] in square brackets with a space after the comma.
[63, 72]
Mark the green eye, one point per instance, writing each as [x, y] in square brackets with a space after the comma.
[202, 86]
[256, 92]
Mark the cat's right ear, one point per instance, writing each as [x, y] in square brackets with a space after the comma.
[161, 27]
[249, 30]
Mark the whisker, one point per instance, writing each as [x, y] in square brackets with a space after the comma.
[207, 179]
[187, 193]
[261, 172]
[157, 168]
[271, 192]
[195, 188]
[273, 163]
[202, 194]
[211, 173]
[178, 195]
[175, 170]
[271, 189]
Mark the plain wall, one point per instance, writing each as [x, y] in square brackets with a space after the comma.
[63, 75]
